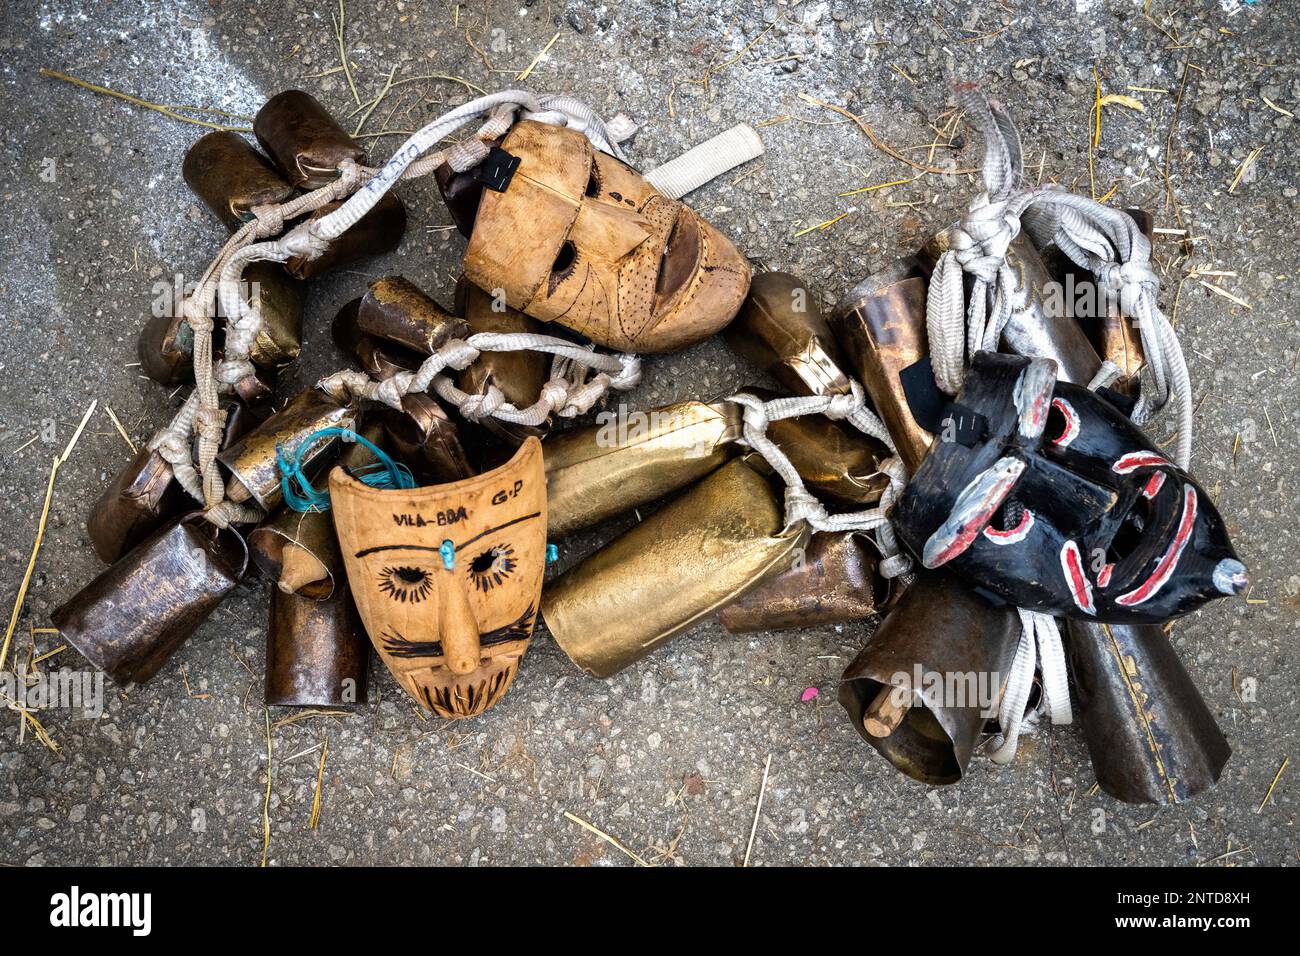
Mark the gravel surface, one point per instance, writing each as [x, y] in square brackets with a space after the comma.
[668, 756]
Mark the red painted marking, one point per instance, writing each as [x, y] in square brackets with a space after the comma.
[1139, 459]
[1153, 486]
[1165, 569]
[1080, 589]
[1012, 535]
[969, 532]
[1103, 576]
[1071, 422]
[972, 517]
[1038, 412]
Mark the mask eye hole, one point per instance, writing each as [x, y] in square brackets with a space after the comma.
[1062, 423]
[565, 261]
[593, 182]
[565, 258]
[490, 568]
[1009, 516]
[404, 583]
[1010, 524]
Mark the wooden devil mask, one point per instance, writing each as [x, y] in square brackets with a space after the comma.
[447, 578]
[579, 238]
[1046, 495]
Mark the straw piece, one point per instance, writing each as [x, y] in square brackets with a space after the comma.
[604, 836]
[758, 809]
[527, 71]
[320, 778]
[40, 533]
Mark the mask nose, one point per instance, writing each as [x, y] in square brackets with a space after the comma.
[457, 628]
[608, 230]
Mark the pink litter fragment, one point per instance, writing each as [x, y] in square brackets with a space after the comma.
[808, 694]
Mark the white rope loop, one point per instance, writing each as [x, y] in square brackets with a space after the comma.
[566, 393]
[1040, 649]
[800, 503]
[1105, 241]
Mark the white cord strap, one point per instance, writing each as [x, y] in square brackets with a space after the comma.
[800, 503]
[1105, 241]
[1041, 649]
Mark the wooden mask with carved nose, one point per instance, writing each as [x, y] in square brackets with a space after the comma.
[581, 239]
[447, 578]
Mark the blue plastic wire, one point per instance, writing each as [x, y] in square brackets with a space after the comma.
[301, 495]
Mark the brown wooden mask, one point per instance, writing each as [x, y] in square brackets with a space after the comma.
[581, 239]
[448, 578]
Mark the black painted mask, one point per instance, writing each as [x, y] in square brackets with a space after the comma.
[1050, 498]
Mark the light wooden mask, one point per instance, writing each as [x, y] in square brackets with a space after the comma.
[581, 239]
[447, 578]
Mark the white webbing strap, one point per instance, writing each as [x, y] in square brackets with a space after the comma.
[706, 162]
[1041, 649]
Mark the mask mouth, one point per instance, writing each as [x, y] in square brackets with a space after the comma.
[680, 259]
[1148, 528]
[1175, 509]
[469, 695]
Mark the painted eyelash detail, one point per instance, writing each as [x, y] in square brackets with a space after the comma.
[565, 265]
[492, 567]
[404, 583]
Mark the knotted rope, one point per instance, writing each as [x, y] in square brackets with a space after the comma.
[800, 503]
[566, 393]
[1104, 241]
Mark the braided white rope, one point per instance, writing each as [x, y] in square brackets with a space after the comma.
[502, 108]
[1105, 241]
[1109, 243]
[800, 503]
[566, 393]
